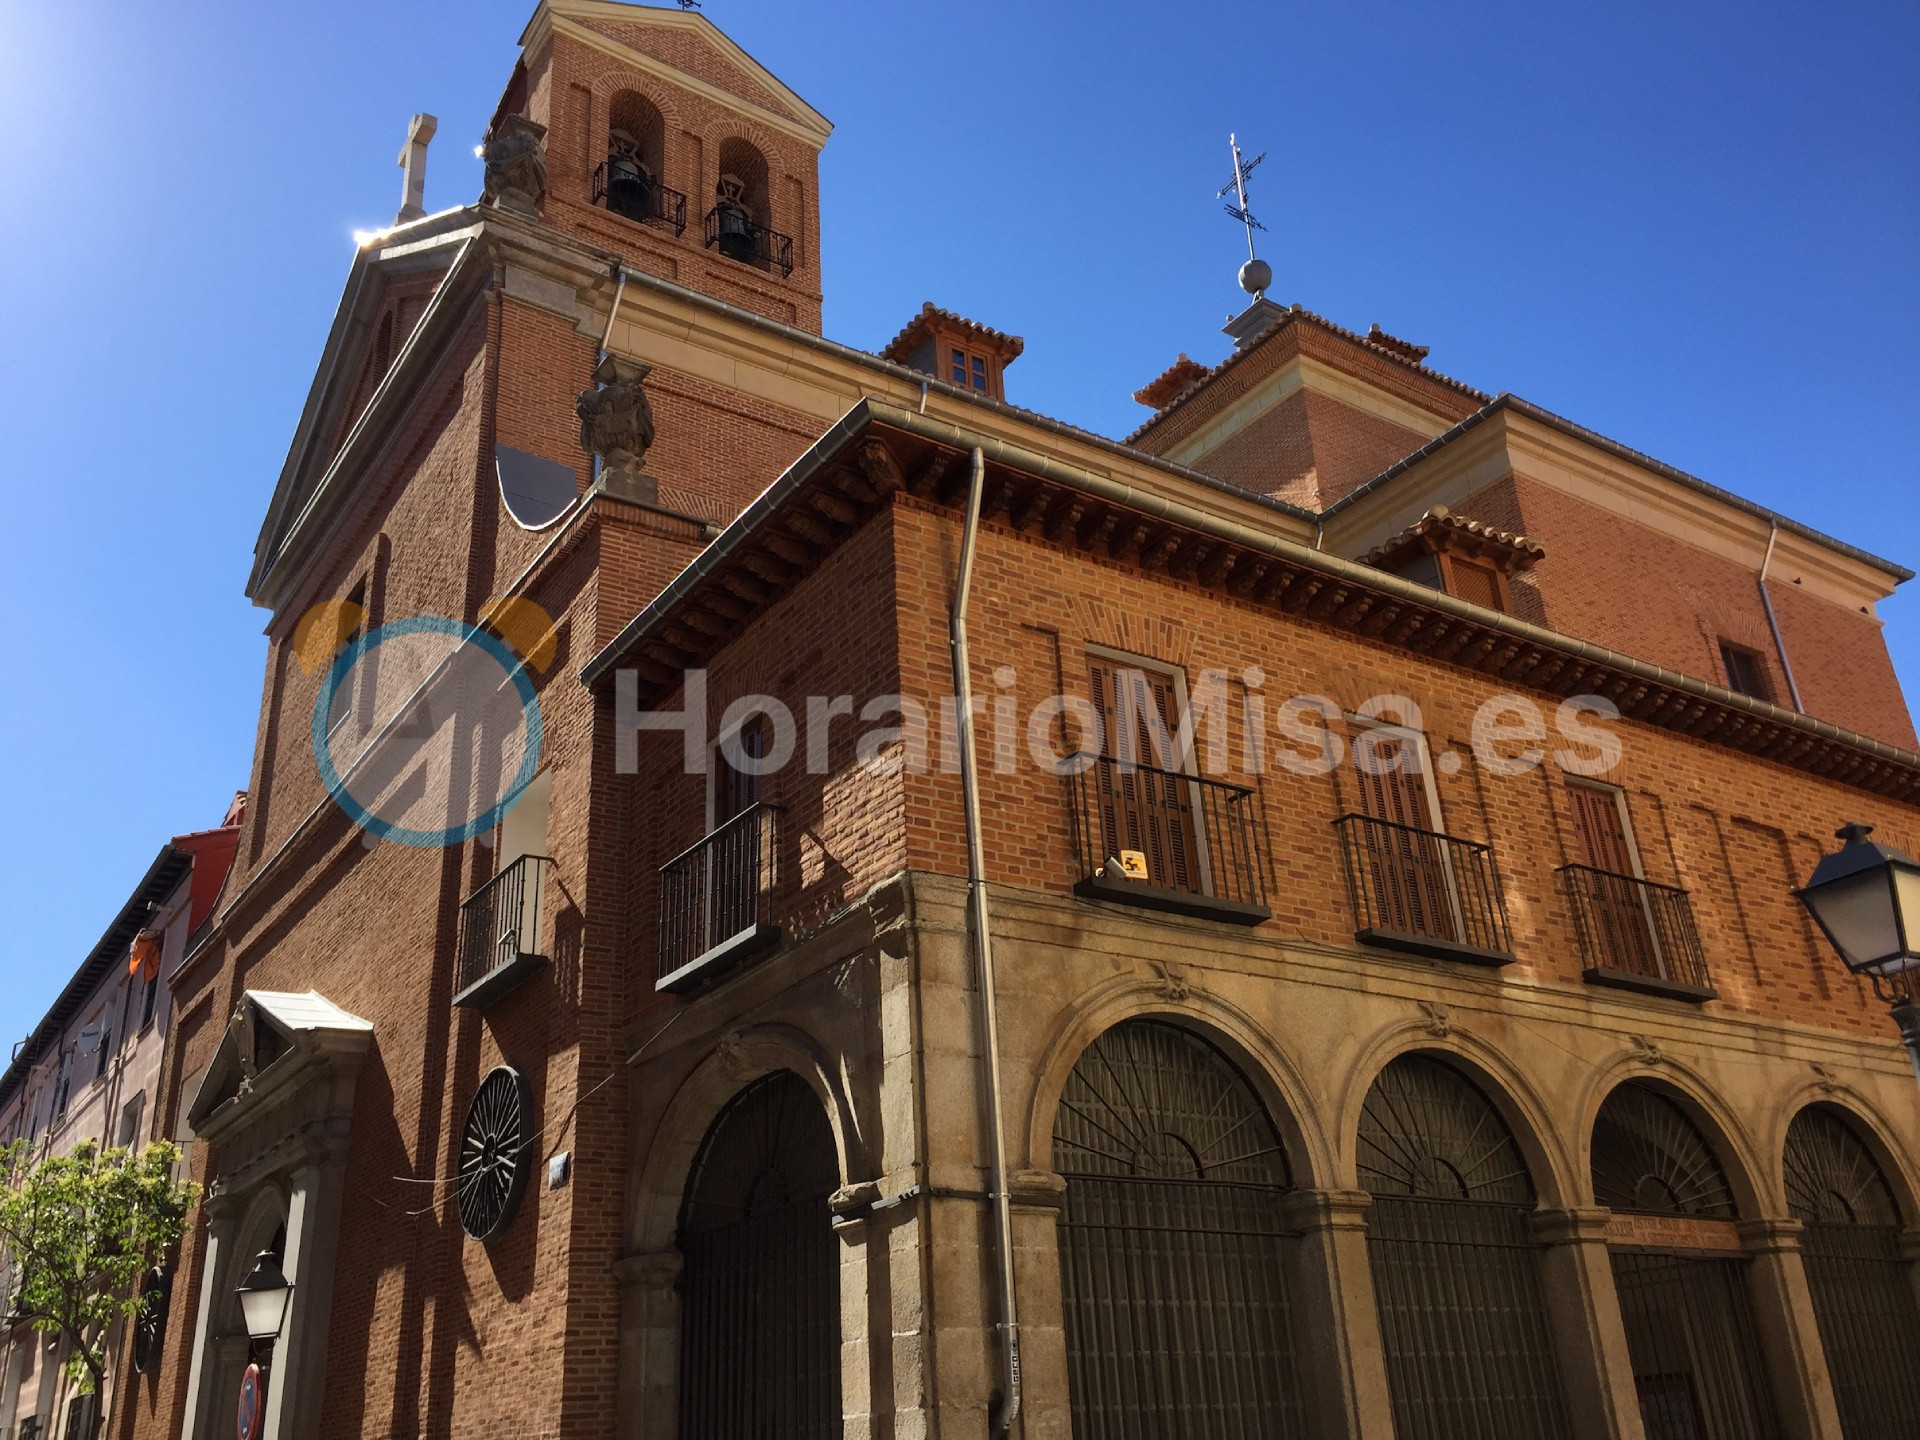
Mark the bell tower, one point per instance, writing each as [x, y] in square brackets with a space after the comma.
[668, 143]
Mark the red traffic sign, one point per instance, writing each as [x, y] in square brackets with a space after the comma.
[253, 1405]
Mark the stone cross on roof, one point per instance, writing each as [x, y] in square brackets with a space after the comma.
[413, 168]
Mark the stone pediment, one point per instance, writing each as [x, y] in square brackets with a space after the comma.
[277, 1044]
[684, 47]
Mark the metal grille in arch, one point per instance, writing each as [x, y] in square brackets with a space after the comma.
[1463, 1316]
[1171, 1245]
[1862, 1292]
[760, 1295]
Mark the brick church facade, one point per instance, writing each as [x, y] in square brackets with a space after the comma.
[1354, 991]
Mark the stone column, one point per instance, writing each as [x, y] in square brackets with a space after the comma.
[649, 1368]
[865, 1314]
[1789, 1334]
[296, 1388]
[1045, 1404]
[1589, 1336]
[222, 1215]
[1336, 1323]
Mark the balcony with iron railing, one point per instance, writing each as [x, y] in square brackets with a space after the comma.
[1166, 840]
[628, 191]
[1424, 892]
[1636, 934]
[499, 944]
[738, 236]
[716, 900]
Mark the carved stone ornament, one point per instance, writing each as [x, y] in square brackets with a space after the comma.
[516, 159]
[1173, 984]
[616, 423]
[1438, 1024]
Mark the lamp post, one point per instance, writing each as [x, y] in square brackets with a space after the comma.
[1866, 900]
[263, 1304]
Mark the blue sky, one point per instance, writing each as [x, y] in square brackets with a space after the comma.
[1694, 227]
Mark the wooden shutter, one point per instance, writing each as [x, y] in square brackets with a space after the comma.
[1477, 583]
[1409, 866]
[736, 790]
[1143, 808]
[1603, 839]
[1622, 928]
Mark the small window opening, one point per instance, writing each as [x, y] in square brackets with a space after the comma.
[1746, 671]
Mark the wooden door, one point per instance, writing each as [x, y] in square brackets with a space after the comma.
[1144, 803]
[1407, 861]
[735, 860]
[1615, 902]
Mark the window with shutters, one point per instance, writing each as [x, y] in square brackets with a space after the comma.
[1413, 886]
[1147, 830]
[1634, 933]
[1474, 581]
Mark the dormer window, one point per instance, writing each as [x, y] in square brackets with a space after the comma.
[969, 370]
[1460, 556]
[959, 351]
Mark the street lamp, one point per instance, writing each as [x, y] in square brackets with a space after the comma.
[1866, 900]
[263, 1299]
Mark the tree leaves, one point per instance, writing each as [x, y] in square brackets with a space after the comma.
[78, 1231]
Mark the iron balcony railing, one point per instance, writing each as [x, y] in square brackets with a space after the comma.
[626, 191]
[499, 933]
[1637, 934]
[1166, 840]
[1424, 892]
[716, 899]
[738, 236]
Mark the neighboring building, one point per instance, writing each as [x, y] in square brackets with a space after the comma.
[1407, 1098]
[90, 1072]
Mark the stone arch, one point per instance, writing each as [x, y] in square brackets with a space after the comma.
[1869, 1122]
[1726, 1134]
[740, 1058]
[1525, 1110]
[1282, 1089]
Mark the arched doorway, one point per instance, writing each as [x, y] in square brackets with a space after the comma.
[1862, 1290]
[760, 1330]
[1683, 1288]
[1456, 1278]
[1171, 1245]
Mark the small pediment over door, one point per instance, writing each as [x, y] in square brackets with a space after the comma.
[273, 1038]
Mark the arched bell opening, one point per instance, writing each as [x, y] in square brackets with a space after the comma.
[1862, 1287]
[1172, 1246]
[1684, 1294]
[760, 1328]
[1464, 1324]
[636, 159]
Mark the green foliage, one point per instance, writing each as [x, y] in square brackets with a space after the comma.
[78, 1231]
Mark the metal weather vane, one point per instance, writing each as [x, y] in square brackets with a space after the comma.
[1256, 274]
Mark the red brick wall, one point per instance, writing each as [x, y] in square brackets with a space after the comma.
[571, 91]
[1632, 588]
[1737, 832]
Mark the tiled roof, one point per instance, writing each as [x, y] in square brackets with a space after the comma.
[900, 349]
[1296, 313]
[1175, 380]
[1441, 529]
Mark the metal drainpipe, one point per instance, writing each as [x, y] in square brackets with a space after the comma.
[1773, 624]
[983, 948]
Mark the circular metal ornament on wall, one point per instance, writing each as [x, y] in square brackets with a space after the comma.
[494, 1158]
[150, 1324]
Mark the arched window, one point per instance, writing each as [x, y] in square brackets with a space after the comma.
[1862, 1294]
[1463, 1315]
[1171, 1249]
[740, 225]
[1683, 1295]
[632, 182]
[760, 1294]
